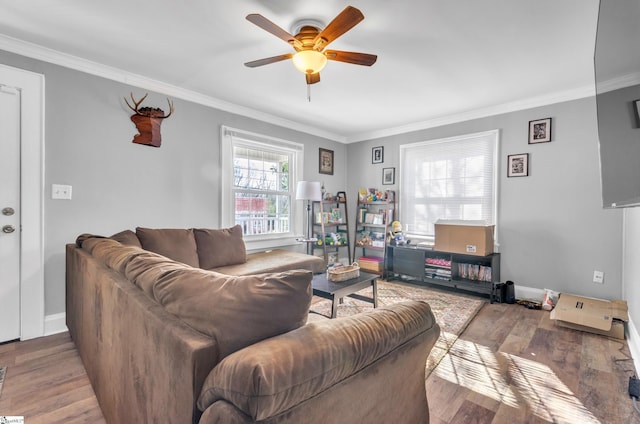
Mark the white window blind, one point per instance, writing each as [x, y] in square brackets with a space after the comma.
[452, 178]
[259, 176]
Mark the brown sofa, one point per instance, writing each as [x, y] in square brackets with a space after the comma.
[169, 342]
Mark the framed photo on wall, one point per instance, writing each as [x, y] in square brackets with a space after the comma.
[388, 176]
[540, 131]
[518, 165]
[377, 154]
[326, 161]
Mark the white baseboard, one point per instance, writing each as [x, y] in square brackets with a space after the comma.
[54, 324]
[633, 339]
[529, 293]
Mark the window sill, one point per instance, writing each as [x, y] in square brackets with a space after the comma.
[287, 243]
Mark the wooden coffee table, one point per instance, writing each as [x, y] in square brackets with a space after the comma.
[335, 291]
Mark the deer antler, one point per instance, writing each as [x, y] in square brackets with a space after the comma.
[170, 108]
[151, 112]
[135, 103]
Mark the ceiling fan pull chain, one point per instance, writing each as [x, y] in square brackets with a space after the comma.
[309, 93]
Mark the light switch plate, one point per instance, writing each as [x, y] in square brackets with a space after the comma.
[60, 191]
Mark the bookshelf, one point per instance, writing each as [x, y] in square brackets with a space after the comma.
[375, 212]
[330, 227]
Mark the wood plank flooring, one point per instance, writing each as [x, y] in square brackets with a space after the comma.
[514, 365]
[511, 365]
[46, 382]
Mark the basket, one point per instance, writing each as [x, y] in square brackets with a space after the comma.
[343, 273]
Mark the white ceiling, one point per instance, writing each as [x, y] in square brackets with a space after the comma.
[438, 61]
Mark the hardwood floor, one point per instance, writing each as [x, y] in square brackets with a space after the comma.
[514, 365]
[511, 365]
[46, 382]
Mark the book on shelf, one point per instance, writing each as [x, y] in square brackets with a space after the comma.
[475, 272]
[362, 212]
[438, 262]
[373, 218]
[438, 273]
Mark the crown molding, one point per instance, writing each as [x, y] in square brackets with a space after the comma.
[619, 82]
[558, 97]
[35, 51]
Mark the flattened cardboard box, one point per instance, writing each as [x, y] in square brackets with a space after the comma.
[605, 317]
[466, 237]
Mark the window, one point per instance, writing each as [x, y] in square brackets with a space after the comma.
[452, 178]
[258, 184]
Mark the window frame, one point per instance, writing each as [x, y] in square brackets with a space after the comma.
[495, 134]
[231, 137]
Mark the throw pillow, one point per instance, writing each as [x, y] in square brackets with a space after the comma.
[174, 243]
[126, 237]
[222, 247]
[235, 311]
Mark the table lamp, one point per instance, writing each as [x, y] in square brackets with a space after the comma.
[311, 192]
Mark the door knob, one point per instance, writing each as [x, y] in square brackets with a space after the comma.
[8, 211]
[8, 229]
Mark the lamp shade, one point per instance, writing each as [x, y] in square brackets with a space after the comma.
[308, 190]
[309, 61]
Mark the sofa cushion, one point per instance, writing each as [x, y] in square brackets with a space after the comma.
[234, 311]
[220, 247]
[112, 253]
[127, 237]
[276, 260]
[145, 270]
[274, 375]
[174, 243]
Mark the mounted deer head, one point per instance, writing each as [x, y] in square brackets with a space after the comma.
[147, 121]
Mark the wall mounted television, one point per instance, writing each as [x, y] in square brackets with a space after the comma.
[617, 77]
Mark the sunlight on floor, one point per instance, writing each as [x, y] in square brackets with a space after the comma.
[525, 384]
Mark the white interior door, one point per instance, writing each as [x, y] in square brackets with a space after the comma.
[9, 213]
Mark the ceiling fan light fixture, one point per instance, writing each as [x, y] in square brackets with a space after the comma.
[309, 61]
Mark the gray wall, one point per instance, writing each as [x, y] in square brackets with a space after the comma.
[552, 230]
[120, 185]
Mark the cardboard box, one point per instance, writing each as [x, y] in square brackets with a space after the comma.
[605, 317]
[466, 237]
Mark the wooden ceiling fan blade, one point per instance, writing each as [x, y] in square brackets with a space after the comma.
[268, 60]
[272, 28]
[312, 78]
[364, 59]
[342, 23]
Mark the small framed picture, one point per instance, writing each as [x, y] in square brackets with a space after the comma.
[326, 161]
[540, 131]
[518, 165]
[388, 176]
[377, 154]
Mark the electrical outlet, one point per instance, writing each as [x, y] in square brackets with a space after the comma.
[598, 277]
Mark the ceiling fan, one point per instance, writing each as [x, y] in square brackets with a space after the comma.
[310, 43]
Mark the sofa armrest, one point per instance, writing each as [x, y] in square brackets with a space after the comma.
[274, 375]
